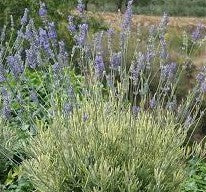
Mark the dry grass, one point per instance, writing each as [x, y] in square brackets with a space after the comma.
[176, 24]
[181, 22]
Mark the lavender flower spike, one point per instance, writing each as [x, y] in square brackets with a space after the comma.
[168, 71]
[24, 19]
[127, 17]
[196, 34]
[80, 7]
[152, 103]
[82, 36]
[32, 57]
[135, 110]
[71, 25]
[116, 61]
[6, 110]
[99, 66]
[52, 34]
[16, 64]
[42, 10]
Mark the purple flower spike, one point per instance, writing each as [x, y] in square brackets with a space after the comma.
[196, 34]
[171, 105]
[16, 64]
[71, 26]
[164, 21]
[52, 34]
[33, 96]
[189, 121]
[2, 74]
[99, 66]
[116, 60]
[80, 7]
[168, 71]
[44, 41]
[67, 108]
[32, 57]
[203, 87]
[6, 110]
[127, 17]
[135, 110]
[152, 103]
[82, 36]
[24, 19]
[98, 42]
[63, 55]
[42, 10]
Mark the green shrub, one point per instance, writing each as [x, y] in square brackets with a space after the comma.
[197, 176]
[110, 150]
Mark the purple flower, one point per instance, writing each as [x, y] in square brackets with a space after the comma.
[168, 71]
[137, 67]
[152, 103]
[171, 105]
[98, 42]
[127, 17]
[44, 41]
[2, 74]
[82, 36]
[32, 57]
[188, 122]
[99, 66]
[19, 39]
[116, 60]
[28, 33]
[67, 108]
[110, 33]
[24, 19]
[71, 26]
[70, 92]
[164, 21]
[80, 7]
[56, 68]
[52, 34]
[15, 64]
[63, 55]
[6, 110]
[42, 10]
[163, 49]
[85, 117]
[196, 34]
[33, 96]
[135, 110]
[203, 86]
[200, 77]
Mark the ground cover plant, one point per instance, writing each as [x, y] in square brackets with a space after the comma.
[94, 119]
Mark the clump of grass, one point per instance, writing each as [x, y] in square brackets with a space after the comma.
[102, 147]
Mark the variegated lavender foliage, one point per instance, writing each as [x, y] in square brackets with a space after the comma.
[36, 67]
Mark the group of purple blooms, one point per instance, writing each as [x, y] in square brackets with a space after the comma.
[45, 47]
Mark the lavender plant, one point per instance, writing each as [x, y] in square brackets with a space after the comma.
[103, 123]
